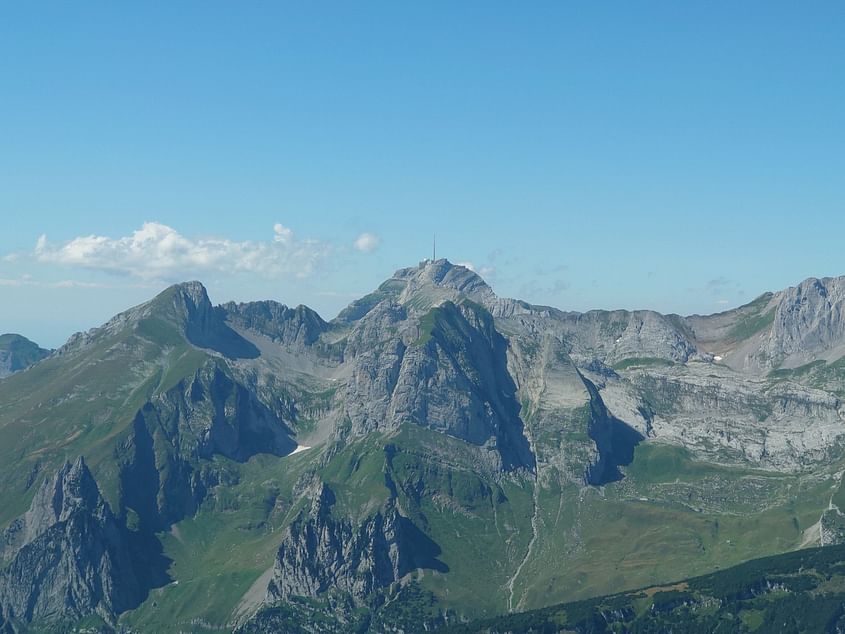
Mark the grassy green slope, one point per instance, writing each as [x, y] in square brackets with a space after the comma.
[802, 591]
[79, 403]
[219, 553]
[481, 525]
[752, 319]
[671, 516]
[594, 541]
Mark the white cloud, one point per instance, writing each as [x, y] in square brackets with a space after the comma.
[483, 271]
[78, 284]
[367, 242]
[27, 280]
[283, 234]
[159, 252]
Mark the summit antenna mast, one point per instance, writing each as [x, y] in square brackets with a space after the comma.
[434, 247]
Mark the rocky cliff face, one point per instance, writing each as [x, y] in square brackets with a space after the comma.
[808, 323]
[320, 552]
[612, 337]
[441, 281]
[448, 373]
[67, 556]
[615, 441]
[786, 329]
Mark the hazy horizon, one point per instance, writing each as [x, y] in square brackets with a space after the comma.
[328, 316]
[672, 157]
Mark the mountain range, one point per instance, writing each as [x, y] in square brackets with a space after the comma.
[432, 455]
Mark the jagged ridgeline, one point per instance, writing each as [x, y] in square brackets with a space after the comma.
[433, 454]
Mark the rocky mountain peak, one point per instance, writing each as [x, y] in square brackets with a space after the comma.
[181, 310]
[186, 302]
[185, 307]
[72, 489]
[18, 353]
[421, 287]
[194, 291]
[444, 275]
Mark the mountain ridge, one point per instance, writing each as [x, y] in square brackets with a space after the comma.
[427, 411]
[431, 283]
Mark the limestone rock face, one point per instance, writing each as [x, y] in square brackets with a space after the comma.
[809, 322]
[615, 336]
[444, 280]
[320, 552]
[67, 555]
[453, 378]
[782, 330]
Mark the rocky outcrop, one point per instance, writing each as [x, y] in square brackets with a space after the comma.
[615, 336]
[809, 323]
[204, 326]
[67, 555]
[787, 329]
[320, 552]
[444, 281]
[728, 418]
[831, 527]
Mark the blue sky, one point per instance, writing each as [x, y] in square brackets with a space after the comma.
[677, 156]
